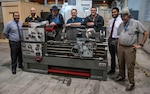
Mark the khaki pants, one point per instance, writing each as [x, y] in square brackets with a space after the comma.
[127, 56]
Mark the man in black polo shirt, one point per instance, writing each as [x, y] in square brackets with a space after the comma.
[33, 17]
[94, 20]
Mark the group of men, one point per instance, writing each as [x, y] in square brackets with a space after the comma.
[122, 40]
[55, 18]
[12, 29]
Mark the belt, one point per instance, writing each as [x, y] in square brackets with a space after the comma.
[15, 41]
[126, 45]
[113, 38]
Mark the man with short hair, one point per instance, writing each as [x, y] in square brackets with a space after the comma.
[33, 17]
[94, 20]
[12, 31]
[74, 20]
[113, 26]
[127, 45]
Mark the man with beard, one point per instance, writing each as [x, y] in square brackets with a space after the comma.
[94, 20]
[12, 31]
[33, 17]
[113, 37]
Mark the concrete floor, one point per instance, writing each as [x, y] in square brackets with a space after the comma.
[35, 83]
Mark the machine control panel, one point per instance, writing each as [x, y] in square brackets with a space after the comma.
[32, 49]
[33, 34]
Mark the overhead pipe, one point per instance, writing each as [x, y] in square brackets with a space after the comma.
[56, 2]
[45, 2]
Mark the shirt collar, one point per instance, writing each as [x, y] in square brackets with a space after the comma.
[117, 18]
[74, 18]
[15, 21]
[55, 16]
[95, 16]
[34, 16]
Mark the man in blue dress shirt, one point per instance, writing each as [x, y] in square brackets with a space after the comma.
[12, 31]
[74, 20]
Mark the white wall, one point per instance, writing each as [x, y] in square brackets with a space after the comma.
[134, 4]
[146, 24]
[141, 5]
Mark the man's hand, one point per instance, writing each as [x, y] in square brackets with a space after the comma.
[137, 46]
[90, 23]
[52, 23]
[68, 25]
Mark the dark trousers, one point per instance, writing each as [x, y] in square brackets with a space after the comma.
[16, 54]
[112, 43]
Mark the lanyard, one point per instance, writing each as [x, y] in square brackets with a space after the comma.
[126, 26]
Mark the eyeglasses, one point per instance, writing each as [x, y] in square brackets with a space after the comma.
[16, 15]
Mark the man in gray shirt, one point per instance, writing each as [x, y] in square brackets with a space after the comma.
[127, 45]
[12, 31]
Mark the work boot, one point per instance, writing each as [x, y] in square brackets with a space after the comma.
[130, 87]
[119, 78]
[13, 71]
[20, 66]
[111, 72]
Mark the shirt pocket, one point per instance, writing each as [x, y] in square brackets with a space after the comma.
[13, 29]
[132, 30]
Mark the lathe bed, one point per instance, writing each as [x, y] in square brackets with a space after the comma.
[62, 57]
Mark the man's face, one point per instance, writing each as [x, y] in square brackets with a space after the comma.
[74, 13]
[54, 12]
[33, 12]
[115, 13]
[125, 17]
[16, 17]
[93, 11]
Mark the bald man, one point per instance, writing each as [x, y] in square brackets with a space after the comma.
[33, 17]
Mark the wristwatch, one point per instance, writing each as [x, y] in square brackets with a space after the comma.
[141, 44]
